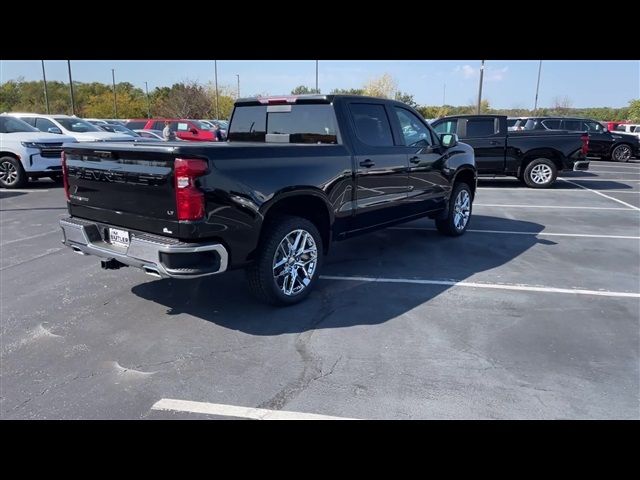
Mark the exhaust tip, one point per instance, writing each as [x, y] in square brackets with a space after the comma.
[152, 271]
[78, 251]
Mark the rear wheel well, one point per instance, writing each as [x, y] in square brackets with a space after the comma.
[553, 156]
[311, 207]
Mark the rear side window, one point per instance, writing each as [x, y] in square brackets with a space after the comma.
[480, 127]
[551, 124]
[284, 123]
[372, 124]
[447, 126]
[249, 124]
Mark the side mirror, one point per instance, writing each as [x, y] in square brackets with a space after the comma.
[448, 140]
[194, 131]
[54, 130]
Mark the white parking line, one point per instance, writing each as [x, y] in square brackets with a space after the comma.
[549, 206]
[25, 190]
[544, 234]
[615, 166]
[44, 234]
[237, 412]
[601, 194]
[637, 172]
[548, 190]
[602, 179]
[496, 286]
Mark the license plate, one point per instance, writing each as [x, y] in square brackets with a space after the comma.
[119, 237]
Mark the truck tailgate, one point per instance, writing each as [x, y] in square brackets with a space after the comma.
[123, 185]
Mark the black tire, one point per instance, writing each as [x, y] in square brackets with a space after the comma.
[540, 173]
[260, 275]
[621, 153]
[452, 225]
[12, 174]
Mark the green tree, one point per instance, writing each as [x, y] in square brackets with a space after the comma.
[304, 90]
[406, 98]
[384, 86]
[347, 91]
[634, 111]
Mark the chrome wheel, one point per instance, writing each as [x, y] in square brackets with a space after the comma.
[8, 173]
[621, 153]
[541, 174]
[294, 262]
[461, 210]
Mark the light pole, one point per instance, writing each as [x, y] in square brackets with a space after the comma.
[215, 68]
[444, 94]
[238, 75]
[535, 105]
[480, 87]
[73, 102]
[317, 89]
[115, 103]
[146, 89]
[46, 94]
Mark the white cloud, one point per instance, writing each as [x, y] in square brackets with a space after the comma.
[490, 74]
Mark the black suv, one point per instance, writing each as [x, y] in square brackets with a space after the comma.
[608, 145]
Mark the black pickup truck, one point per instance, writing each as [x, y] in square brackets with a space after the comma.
[532, 156]
[296, 173]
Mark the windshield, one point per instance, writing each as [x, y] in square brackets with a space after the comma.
[15, 125]
[77, 125]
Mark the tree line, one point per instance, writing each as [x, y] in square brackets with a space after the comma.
[190, 99]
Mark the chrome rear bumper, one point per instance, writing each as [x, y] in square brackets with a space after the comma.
[151, 253]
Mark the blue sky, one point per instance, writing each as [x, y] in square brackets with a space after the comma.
[507, 84]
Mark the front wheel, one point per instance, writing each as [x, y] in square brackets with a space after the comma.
[459, 212]
[622, 153]
[540, 173]
[12, 174]
[288, 260]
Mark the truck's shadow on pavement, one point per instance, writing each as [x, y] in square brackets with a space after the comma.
[392, 253]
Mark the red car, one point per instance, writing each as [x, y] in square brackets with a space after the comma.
[185, 129]
[611, 126]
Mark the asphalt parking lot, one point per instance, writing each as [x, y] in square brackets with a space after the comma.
[534, 313]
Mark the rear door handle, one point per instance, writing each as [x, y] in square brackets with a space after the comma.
[493, 142]
[414, 159]
[368, 163]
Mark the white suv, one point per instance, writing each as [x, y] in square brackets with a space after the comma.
[27, 152]
[75, 127]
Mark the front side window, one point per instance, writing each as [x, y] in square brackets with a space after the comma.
[372, 124]
[447, 126]
[44, 124]
[594, 127]
[413, 130]
[574, 125]
[480, 127]
[14, 125]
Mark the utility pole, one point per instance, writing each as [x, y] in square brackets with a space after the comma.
[146, 89]
[215, 68]
[535, 105]
[317, 90]
[238, 75]
[73, 102]
[444, 94]
[480, 87]
[115, 103]
[46, 94]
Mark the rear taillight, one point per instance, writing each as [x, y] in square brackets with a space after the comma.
[189, 199]
[585, 143]
[65, 174]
